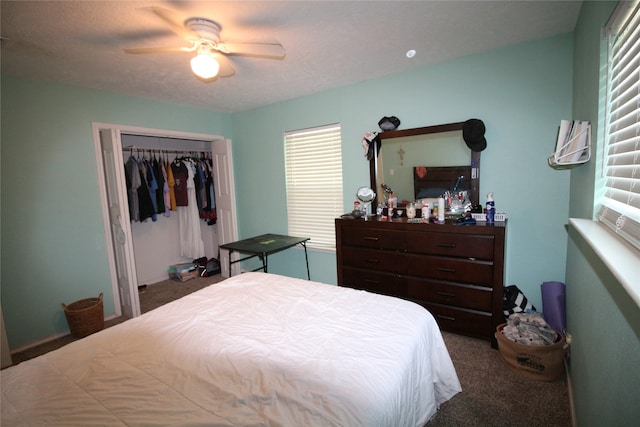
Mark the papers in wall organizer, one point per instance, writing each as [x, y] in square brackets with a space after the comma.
[573, 146]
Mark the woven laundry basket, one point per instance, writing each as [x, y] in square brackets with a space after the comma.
[536, 362]
[85, 316]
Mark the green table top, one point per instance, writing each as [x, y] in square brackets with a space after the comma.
[264, 244]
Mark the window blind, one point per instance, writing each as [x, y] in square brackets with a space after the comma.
[313, 160]
[620, 208]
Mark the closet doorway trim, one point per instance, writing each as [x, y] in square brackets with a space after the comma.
[123, 277]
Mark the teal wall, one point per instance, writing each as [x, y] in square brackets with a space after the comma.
[603, 320]
[53, 245]
[521, 93]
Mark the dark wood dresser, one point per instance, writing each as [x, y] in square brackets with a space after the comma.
[454, 271]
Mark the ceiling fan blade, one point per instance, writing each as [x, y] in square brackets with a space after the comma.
[226, 69]
[264, 50]
[142, 50]
[174, 23]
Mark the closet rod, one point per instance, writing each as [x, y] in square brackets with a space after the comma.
[131, 148]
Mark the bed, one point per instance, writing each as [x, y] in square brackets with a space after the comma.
[257, 349]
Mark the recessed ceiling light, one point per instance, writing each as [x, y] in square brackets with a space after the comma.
[411, 53]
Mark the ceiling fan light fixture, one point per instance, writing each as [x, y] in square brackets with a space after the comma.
[204, 65]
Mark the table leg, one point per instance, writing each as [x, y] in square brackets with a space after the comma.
[263, 258]
[304, 245]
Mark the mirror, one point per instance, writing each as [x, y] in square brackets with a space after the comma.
[366, 195]
[425, 162]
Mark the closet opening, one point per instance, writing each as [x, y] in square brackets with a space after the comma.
[145, 237]
[173, 213]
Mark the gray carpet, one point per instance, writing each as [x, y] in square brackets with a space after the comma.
[160, 293]
[491, 394]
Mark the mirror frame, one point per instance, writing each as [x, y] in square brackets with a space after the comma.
[449, 127]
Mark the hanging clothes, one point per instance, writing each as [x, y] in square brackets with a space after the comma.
[159, 194]
[132, 177]
[172, 183]
[152, 187]
[180, 176]
[145, 204]
[208, 213]
[157, 186]
[165, 190]
[191, 244]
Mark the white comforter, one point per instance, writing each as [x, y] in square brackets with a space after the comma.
[257, 349]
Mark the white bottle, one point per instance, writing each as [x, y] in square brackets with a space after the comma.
[411, 211]
[426, 210]
[441, 210]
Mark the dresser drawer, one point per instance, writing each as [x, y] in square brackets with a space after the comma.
[371, 259]
[451, 269]
[466, 296]
[466, 322]
[451, 244]
[373, 281]
[374, 238]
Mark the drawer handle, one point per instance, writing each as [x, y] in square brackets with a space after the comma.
[446, 270]
[446, 294]
[376, 282]
[453, 319]
[372, 260]
[374, 239]
[446, 245]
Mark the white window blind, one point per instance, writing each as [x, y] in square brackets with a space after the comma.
[621, 201]
[313, 159]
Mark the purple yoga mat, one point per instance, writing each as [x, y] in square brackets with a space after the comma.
[553, 305]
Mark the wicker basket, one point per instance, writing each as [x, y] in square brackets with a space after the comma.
[85, 317]
[535, 362]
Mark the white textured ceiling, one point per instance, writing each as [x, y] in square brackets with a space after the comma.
[329, 44]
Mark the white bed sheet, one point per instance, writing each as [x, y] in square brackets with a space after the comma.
[256, 349]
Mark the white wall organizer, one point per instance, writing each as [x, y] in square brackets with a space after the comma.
[573, 146]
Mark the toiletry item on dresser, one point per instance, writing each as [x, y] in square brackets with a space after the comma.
[411, 210]
[491, 208]
[441, 209]
[426, 210]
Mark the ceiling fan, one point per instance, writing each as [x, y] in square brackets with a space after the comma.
[203, 36]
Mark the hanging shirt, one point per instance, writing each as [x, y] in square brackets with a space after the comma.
[172, 183]
[180, 175]
[157, 172]
[144, 198]
[165, 191]
[132, 176]
[152, 186]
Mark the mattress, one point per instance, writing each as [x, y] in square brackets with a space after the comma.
[257, 349]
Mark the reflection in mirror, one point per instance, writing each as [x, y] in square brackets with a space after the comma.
[432, 182]
[426, 162]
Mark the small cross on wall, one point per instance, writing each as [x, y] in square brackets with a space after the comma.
[401, 154]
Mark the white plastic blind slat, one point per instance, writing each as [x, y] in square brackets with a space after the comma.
[621, 200]
[313, 159]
